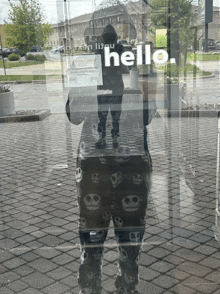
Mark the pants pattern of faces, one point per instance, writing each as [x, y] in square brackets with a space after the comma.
[108, 189]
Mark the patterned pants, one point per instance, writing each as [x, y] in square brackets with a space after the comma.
[112, 189]
[104, 103]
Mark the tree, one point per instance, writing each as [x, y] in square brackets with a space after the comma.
[25, 28]
[43, 33]
[178, 17]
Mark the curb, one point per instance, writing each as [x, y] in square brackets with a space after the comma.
[45, 81]
[188, 113]
[29, 82]
[42, 114]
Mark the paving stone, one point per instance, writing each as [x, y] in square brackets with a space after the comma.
[5, 290]
[50, 240]
[29, 256]
[42, 265]
[214, 276]
[182, 289]
[73, 266]
[147, 273]
[201, 285]
[194, 269]
[190, 255]
[146, 259]
[151, 288]
[62, 259]
[211, 262]
[179, 275]
[47, 252]
[25, 239]
[59, 273]
[8, 277]
[17, 286]
[71, 281]
[204, 249]
[56, 288]
[162, 266]
[34, 244]
[37, 280]
[165, 281]
[108, 286]
[13, 263]
[4, 255]
[158, 252]
[13, 233]
[30, 291]
[53, 230]
[8, 244]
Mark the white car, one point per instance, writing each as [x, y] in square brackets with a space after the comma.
[58, 49]
[217, 45]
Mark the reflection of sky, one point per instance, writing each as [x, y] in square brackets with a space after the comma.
[54, 11]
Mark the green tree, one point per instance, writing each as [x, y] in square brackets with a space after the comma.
[180, 16]
[43, 33]
[25, 28]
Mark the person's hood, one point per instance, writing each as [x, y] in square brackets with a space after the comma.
[109, 35]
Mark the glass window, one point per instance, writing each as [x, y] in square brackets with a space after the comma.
[109, 150]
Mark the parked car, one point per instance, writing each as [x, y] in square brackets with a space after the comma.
[127, 47]
[5, 52]
[211, 44]
[16, 51]
[58, 49]
[122, 42]
[217, 44]
[35, 49]
[132, 42]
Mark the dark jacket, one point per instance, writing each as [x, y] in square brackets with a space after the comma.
[112, 75]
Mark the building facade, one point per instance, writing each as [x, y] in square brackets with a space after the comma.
[131, 21]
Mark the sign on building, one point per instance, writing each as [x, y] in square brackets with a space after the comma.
[84, 71]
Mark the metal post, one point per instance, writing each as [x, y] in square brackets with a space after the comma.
[206, 36]
[66, 25]
[2, 55]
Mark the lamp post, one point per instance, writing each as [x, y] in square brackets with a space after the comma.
[66, 26]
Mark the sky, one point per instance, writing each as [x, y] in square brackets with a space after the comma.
[54, 11]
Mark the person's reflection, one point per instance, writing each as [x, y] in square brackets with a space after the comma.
[113, 185]
[113, 83]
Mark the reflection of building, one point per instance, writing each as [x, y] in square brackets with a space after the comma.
[84, 28]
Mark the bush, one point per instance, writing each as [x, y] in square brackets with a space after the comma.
[13, 57]
[30, 57]
[161, 41]
[40, 57]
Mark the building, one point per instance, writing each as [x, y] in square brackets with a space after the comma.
[131, 21]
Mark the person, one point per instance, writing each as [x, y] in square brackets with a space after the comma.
[112, 183]
[112, 82]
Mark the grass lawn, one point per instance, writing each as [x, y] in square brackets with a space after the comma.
[22, 77]
[189, 70]
[18, 64]
[28, 77]
[204, 57]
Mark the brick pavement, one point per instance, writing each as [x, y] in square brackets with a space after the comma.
[39, 241]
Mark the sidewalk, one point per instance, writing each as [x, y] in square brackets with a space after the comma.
[39, 243]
